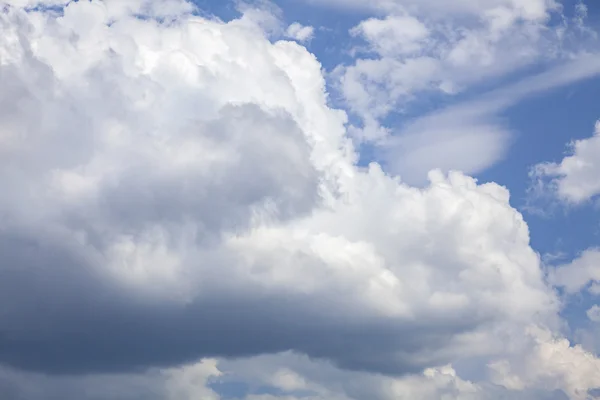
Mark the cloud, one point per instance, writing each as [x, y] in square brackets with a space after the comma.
[393, 35]
[552, 363]
[446, 140]
[300, 32]
[177, 189]
[594, 289]
[579, 273]
[594, 313]
[319, 380]
[574, 178]
[289, 376]
[188, 382]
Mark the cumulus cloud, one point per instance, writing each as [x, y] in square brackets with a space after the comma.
[552, 363]
[582, 272]
[300, 32]
[574, 178]
[176, 188]
[594, 313]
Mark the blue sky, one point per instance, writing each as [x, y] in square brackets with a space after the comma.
[299, 199]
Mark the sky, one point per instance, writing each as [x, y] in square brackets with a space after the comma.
[299, 200]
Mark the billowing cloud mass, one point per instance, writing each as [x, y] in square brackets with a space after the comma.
[181, 207]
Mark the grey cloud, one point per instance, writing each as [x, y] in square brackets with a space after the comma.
[60, 315]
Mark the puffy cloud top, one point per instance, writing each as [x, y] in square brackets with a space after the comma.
[574, 179]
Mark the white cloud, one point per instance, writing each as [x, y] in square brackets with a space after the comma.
[594, 313]
[300, 32]
[445, 140]
[393, 34]
[575, 178]
[552, 363]
[180, 190]
[191, 382]
[594, 289]
[579, 273]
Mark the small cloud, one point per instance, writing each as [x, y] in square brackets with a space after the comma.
[594, 289]
[300, 32]
[573, 179]
[594, 313]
